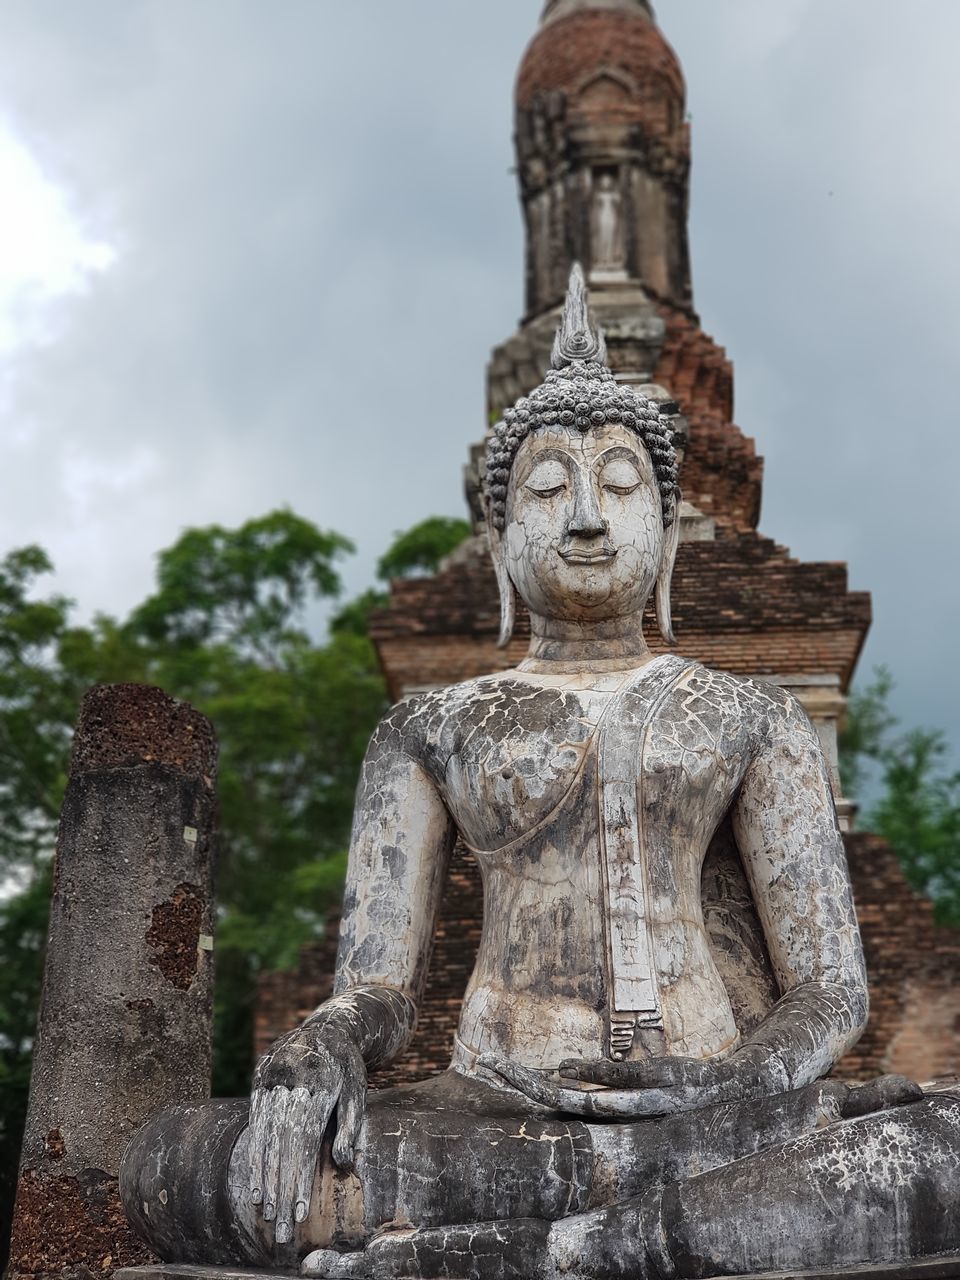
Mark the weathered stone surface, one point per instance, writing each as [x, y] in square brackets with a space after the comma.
[741, 603]
[946, 1268]
[125, 1018]
[451, 1150]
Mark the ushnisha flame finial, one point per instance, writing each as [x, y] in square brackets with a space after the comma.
[576, 340]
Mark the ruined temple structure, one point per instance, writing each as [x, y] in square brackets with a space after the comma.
[603, 158]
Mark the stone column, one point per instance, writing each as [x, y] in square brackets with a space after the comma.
[125, 1017]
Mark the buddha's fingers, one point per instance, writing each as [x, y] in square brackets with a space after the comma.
[880, 1095]
[256, 1143]
[350, 1109]
[315, 1126]
[277, 1106]
[294, 1140]
[624, 1104]
[612, 1104]
[602, 1072]
[659, 1073]
[394, 1255]
[531, 1083]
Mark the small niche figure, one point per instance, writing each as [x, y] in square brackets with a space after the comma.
[609, 248]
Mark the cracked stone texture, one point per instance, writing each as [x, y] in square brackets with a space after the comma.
[479, 755]
[946, 1268]
[440, 1152]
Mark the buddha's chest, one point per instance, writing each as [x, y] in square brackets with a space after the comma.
[522, 756]
[515, 756]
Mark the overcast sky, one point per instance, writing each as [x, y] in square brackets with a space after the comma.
[256, 253]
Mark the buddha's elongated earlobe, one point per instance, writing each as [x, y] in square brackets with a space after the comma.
[665, 576]
[508, 592]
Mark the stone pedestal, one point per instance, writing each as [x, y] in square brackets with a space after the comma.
[125, 1018]
[945, 1268]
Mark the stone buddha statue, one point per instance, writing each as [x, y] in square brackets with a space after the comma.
[669, 968]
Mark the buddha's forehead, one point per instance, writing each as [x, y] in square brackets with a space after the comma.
[585, 448]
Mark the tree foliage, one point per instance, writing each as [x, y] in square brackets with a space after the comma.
[421, 549]
[23, 924]
[917, 804]
[37, 700]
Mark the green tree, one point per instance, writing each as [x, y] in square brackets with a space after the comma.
[23, 925]
[354, 618]
[37, 700]
[917, 809]
[38, 697]
[420, 550]
[224, 630]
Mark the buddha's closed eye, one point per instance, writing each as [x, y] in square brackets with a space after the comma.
[621, 477]
[547, 479]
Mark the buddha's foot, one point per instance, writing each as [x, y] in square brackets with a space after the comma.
[515, 1250]
[880, 1095]
[589, 1246]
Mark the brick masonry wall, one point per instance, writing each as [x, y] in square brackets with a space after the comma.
[625, 43]
[722, 474]
[913, 966]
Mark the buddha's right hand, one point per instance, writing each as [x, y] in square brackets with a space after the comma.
[297, 1085]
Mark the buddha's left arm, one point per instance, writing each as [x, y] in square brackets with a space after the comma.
[786, 826]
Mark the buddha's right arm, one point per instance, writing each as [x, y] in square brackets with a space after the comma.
[399, 852]
[402, 837]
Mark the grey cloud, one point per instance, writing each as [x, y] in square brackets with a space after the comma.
[320, 243]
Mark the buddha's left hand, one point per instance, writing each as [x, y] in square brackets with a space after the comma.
[656, 1087]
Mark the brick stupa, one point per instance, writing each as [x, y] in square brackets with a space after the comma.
[603, 158]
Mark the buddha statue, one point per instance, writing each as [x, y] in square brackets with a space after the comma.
[670, 963]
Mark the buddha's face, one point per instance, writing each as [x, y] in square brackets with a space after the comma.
[584, 527]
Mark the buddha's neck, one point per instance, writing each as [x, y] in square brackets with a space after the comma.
[556, 644]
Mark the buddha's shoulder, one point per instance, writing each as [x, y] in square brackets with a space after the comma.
[749, 700]
[434, 723]
[487, 704]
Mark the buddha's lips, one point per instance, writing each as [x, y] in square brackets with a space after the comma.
[601, 556]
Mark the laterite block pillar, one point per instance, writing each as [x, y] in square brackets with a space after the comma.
[125, 1018]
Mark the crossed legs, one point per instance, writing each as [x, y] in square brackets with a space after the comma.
[738, 1186]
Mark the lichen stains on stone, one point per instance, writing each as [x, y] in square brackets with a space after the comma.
[174, 935]
[54, 1144]
[64, 1225]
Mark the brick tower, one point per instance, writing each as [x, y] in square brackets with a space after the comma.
[603, 159]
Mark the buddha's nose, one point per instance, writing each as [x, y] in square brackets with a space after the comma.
[586, 520]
